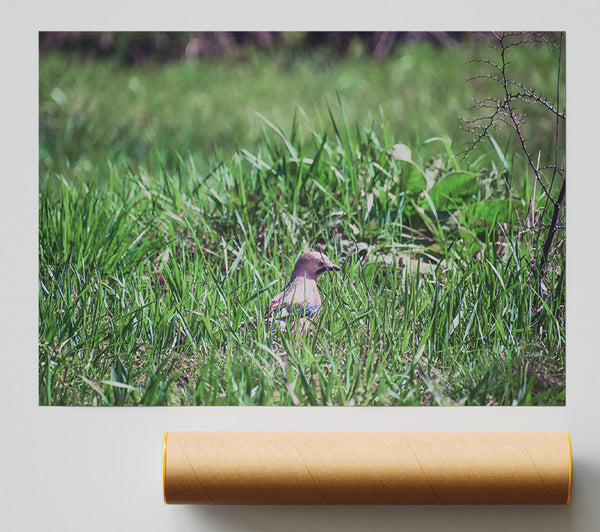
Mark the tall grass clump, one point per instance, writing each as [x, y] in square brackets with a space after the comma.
[153, 290]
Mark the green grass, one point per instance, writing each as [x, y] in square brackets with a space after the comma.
[156, 268]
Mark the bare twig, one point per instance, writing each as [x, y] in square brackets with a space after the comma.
[502, 111]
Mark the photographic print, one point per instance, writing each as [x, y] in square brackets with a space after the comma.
[305, 218]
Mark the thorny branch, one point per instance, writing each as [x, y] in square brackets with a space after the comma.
[501, 111]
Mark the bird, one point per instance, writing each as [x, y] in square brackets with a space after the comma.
[300, 300]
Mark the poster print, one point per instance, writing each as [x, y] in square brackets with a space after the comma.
[302, 218]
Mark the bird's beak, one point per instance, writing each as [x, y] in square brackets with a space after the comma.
[329, 267]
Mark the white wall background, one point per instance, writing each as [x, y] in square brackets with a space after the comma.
[86, 469]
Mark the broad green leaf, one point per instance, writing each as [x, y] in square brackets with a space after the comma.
[369, 230]
[497, 210]
[452, 188]
[413, 179]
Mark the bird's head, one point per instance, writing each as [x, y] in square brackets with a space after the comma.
[313, 264]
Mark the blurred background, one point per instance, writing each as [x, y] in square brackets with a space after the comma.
[200, 95]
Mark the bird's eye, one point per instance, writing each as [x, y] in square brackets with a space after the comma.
[321, 264]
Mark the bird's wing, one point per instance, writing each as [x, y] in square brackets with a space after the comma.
[277, 304]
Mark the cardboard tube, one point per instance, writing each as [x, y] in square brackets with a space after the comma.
[367, 467]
